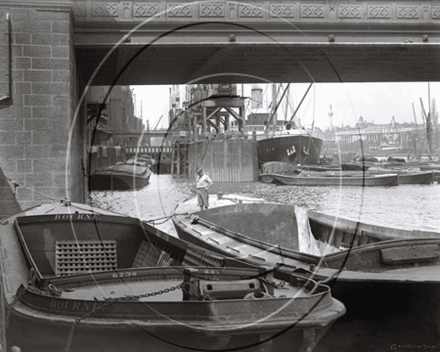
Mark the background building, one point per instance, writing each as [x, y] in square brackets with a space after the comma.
[117, 124]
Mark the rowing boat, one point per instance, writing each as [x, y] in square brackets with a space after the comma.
[79, 278]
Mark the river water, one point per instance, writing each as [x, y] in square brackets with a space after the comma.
[411, 207]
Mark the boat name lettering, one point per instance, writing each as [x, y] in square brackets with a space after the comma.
[128, 274]
[215, 272]
[396, 347]
[291, 151]
[77, 217]
[72, 305]
[365, 262]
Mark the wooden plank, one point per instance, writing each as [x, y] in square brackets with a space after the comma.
[337, 239]
[409, 254]
[239, 172]
[224, 160]
[225, 163]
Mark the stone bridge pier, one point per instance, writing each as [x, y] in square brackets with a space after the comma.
[42, 148]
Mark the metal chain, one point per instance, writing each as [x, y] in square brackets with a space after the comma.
[109, 301]
[105, 304]
[101, 307]
[18, 296]
[137, 297]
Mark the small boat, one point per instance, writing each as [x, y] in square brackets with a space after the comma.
[435, 168]
[128, 175]
[416, 178]
[332, 179]
[277, 167]
[386, 277]
[405, 176]
[145, 158]
[78, 278]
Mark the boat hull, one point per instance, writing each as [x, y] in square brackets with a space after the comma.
[296, 149]
[406, 177]
[267, 178]
[121, 179]
[382, 275]
[168, 326]
[314, 180]
[36, 335]
[419, 178]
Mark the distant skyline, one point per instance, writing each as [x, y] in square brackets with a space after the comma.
[375, 102]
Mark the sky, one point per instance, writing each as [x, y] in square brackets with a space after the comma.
[375, 102]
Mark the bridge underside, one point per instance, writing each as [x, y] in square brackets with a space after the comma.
[233, 54]
[250, 64]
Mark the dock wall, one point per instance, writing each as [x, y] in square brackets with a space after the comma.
[224, 160]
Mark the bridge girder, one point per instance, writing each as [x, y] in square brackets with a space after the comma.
[323, 42]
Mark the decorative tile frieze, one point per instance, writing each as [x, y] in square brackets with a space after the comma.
[146, 9]
[349, 11]
[79, 9]
[233, 12]
[312, 11]
[250, 11]
[282, 10]
[379, 11]
[294, 10]
[105, 9]
[407, 11]
[216, 9]
[180, 10]
[436, 12]
[126, 11]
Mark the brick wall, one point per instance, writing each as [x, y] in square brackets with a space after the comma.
[41, 139]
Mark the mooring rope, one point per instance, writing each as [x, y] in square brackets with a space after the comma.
[15, 184]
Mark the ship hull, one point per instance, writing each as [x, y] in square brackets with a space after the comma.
[297, 149]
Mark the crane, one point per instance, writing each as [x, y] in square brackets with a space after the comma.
[414, 113]
[160, 118]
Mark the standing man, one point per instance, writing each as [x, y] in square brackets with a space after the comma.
[203, 182]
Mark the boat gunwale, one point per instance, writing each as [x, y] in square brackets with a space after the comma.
[393, 180]
[314, 303]
[329, 221]
[358, 228]
[316, 317]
